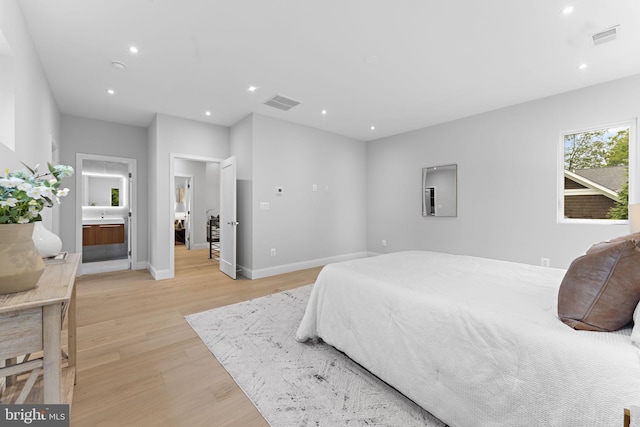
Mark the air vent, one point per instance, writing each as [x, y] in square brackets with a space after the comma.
[282, 103]
[605, 36]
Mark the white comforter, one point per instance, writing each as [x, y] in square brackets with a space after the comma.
[474, 341]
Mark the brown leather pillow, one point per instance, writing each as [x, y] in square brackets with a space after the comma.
[607, 243]
[601, 289]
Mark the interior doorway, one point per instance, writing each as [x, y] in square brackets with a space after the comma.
[195, 200]
[106, 213]
[182, 203]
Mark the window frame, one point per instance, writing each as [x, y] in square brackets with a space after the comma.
[633, 172]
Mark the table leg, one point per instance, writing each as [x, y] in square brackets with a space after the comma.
[11, 379]
[51, 328]
[71, 329]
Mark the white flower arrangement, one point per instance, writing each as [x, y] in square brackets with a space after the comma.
[24, 193]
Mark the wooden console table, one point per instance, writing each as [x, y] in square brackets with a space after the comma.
[31, 323]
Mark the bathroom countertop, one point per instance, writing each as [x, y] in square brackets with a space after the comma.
[99, 221]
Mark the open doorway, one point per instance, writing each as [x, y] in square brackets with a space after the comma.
[106, 214]
[182, 203]
[195, 202]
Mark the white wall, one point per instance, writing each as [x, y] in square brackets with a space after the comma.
[90, 136]
[37, 117]
[7, 98]
[182, 137]
[305, 227]
[507, 163]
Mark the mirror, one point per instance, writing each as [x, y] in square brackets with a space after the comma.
[104, 183]
[439, 191]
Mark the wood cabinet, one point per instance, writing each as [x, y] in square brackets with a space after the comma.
[103, 234]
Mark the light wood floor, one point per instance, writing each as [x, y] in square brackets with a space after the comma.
[141, 364]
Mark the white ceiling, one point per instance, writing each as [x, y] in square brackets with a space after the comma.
[397, 65]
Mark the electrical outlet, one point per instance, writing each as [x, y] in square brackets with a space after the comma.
[384, 243]
[273, 251]
[545, 262]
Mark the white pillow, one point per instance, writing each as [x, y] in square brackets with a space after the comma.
[635, 332]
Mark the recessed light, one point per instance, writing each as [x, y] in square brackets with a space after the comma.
[133, 49]
[324, 112]
[207, 113]
[582, 66]
[567, 10]
[373, 128]
[252, 89]
[111, 91]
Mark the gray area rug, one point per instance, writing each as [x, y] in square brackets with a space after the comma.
[298, 384]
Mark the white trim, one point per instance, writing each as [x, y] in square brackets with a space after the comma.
[593, 187]
[633, 172]
[583, 192]
[288, 268]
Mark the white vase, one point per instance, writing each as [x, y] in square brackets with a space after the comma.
[47, 243]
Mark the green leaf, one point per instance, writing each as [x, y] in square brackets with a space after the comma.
[33, 172]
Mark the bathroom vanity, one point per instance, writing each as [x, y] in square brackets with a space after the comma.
[102, 231]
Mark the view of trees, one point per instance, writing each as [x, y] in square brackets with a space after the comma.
[598, 149]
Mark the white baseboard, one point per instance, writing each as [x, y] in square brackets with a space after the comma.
[160, 274]
[288, 268]
[103, 266]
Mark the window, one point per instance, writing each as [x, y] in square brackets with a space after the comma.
[595, 171]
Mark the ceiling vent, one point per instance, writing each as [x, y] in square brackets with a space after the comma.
[281, 102]
[605, 36]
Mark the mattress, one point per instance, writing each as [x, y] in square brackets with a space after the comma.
[474, 341]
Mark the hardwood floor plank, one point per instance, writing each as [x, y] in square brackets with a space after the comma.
[139, 361]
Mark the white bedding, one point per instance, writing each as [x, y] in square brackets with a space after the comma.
[474, 341]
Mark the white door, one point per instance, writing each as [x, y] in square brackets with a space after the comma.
[228, 217]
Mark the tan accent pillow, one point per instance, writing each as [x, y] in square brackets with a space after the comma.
[601, 289]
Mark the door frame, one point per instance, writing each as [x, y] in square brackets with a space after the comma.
[172, 210]
[132, 199]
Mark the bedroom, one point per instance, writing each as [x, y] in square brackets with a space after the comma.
[499, 216]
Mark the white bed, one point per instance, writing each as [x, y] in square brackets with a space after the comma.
[474, 341]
